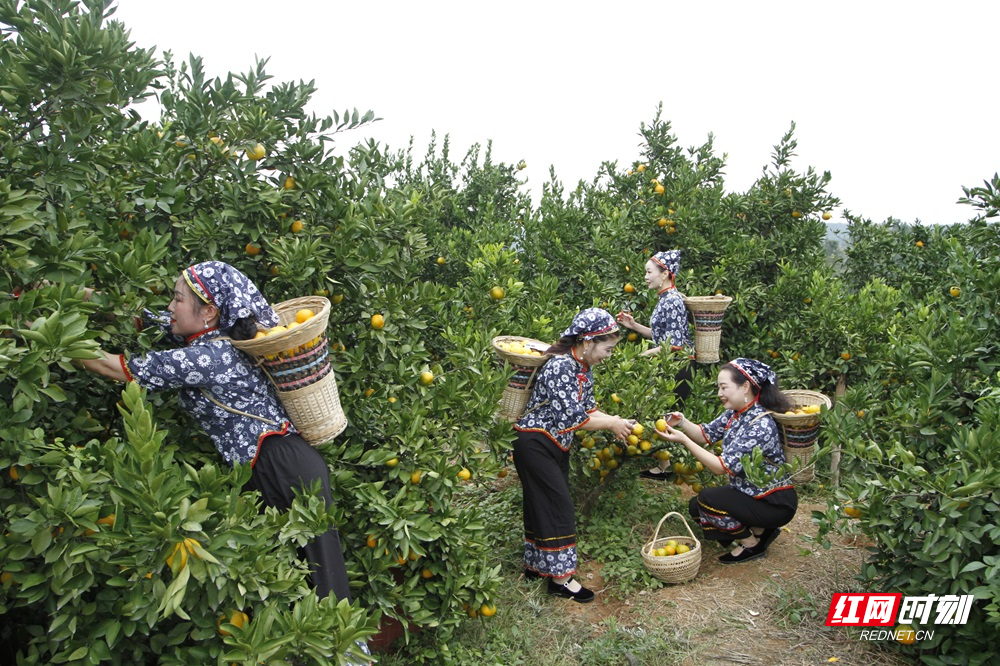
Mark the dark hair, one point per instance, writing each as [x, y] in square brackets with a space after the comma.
[768, 395]
[244, 329]
[567, 342]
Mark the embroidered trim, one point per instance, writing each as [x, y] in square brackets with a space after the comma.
[200, 288]
[128, 373]
[192, 338]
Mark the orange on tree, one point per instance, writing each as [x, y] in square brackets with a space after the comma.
[426, 573]
[662, 222]
[464, 474]
[378, 321]
[796, 214]
[826, 215]
[905, 634]
[337, 298]
[659, 189]
[297, 226]
[256, 153]
[440, 261]
[496, 293]
[633, 336]
[955, 292]
[637, 429]
[852, 511]
[629, 289]
[615, 398]
[641, 168]
[369, 392]
[238, 619]
[661, 425]
[289, 183]
[415, 477]
[107, 520]
[372, 542]
[253, 249]
[426, 378]
[392, 462]
[392, 400]
[919, 243]
[846, 356]
[502, 473]
[488, 610]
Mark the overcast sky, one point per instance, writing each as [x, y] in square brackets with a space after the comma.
[897, 100]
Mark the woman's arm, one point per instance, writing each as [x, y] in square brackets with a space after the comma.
[628, 321]
[110, 366]
[711, 461]
[692, 430]
[598, 420]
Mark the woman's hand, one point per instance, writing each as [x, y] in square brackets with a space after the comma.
[672, 434]
[621, 428]
[651, 352]
[626, 319]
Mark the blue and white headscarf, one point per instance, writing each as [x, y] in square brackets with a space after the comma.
[758, 373]
[669, 260]
[231, 292]
[591, 323]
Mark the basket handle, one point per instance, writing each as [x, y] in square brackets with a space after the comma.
[683, 520]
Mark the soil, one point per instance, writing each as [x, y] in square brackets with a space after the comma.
[739, 614]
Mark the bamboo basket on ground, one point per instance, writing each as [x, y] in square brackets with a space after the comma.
[799, 432]
[707, 312]
[673, 568]
[297, 362]
[518, 390]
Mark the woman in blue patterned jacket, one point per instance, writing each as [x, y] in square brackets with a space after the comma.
[668, 325]
[232, 400]
[742, 511]
[561, 402]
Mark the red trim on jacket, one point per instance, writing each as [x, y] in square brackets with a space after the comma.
[128, 373]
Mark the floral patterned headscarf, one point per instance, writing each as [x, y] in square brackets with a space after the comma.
[758, 373]
[669, 260]
[591, 323]
[231, 292]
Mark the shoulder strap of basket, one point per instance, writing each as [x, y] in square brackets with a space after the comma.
[236, 411]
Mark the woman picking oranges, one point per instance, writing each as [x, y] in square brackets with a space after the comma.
[668, 325]
[561, 402]
[742, 511]
[232, 400]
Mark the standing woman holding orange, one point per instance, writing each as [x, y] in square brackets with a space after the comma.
[668, 325]
[561, 402]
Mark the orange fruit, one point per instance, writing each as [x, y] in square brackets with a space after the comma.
[633, 440]
[774, 354]
[846, 356]
[502, 473]
[920, 243]
[276, 330]
[392, 399]
[662, 222]
[440, 261]
[304, 315]
[289, 183]
[852, 512]
[659, 189]
[661, 425]
[629, 289]
[464, 474]
[392, 462]
[378, 321]
[369, 392]
[6, 577]
[426, 573]
[796, 214]
[14, 474]
[955, 292]
[256, 153]
[905, 634]
[238, 619]
[637, 429]
[615, 398]
[633, 336]
[426, 378]
[259, 335]
[297, 226]
[488, 610]
[641, 168]
[107, 520]
[415, 477]
[496, 293]
[337, 298]
[253, 249]
[372, 541]
[827, 216]
[682, 548]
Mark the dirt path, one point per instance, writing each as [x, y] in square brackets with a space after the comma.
[739, 614]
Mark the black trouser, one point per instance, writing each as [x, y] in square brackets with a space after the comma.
[726, 513]
[286, 462]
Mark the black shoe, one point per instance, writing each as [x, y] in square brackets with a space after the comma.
[583, 595]
[531, 574]
[660, 476]
[768, 536]
[746, 555]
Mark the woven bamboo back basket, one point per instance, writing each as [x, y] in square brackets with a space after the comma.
[673, 568]
[518, 390]
[707, 312]
[799, 432]
[298, 363]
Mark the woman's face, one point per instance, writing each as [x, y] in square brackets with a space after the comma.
[732, 396]
[656, 277]
[186, 315]
[596, 352]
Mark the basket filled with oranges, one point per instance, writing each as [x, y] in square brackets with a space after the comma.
[296, 357]
[799, 428]
[524, 356]
[673, 559]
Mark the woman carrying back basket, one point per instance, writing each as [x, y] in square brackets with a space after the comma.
[742, 511]
[668, 325]
[561, 402]
[232, 400]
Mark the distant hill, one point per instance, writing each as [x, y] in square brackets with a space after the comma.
[837, 232]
